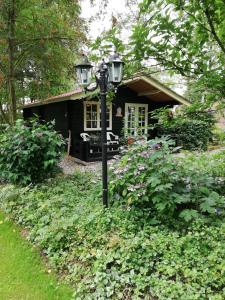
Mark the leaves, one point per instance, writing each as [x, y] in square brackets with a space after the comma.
[29, 153]
[167, 187]
[46, 37]
[118, 252]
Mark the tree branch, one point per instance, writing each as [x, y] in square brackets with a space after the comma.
[46, 38]
[211, 25]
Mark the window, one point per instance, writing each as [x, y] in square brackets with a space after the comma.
[136, 119]
[92, 116]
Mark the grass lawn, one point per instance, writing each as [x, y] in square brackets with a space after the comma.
[23, 275]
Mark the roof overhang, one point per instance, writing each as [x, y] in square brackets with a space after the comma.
[75, 95]
[144, 86]
[154, 90]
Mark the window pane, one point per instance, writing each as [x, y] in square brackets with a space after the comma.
[91, 115]
[88, 125]
[94, 124]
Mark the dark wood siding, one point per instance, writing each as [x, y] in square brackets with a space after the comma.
[54, 111]
[76, 125]
[58, 113]
[126, 95]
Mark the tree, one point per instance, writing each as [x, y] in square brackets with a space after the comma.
[186, 37]
[39, 40]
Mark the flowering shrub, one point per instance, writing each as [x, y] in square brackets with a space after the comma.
[149, 176]
[29, 153]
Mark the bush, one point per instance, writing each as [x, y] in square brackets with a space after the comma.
[190, 130]
[29, 153]
[149, 177]
[115, 253]
[219, 136]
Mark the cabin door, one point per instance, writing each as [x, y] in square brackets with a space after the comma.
[136, 119]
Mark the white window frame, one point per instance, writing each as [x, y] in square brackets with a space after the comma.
[98, 116]
[136, 105]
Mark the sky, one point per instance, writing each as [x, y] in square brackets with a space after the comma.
[103, 21]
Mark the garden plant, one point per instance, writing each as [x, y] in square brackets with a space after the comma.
[161, 238]
[29, 152]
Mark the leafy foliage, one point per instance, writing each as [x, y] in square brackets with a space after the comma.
[169, 37]
[29, 153]
[149, 177]
[116, 253]
[38, 45]
[186, 37]
[192, 130]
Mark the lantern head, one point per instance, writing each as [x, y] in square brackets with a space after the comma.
[84, 71]
[115, 69]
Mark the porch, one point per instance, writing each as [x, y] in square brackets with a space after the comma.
[89, 148]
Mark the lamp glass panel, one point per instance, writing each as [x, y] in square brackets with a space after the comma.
[79, 75]
[117, 72]
[85, 76]
[110, 70]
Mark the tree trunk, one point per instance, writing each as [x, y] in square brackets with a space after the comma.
[11, 53]
[2, 113]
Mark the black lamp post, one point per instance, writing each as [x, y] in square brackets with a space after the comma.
[108, 74]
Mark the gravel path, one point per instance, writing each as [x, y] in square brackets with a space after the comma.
[69, 166]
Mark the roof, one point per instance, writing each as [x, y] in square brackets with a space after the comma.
[143, 85]
[154, 90]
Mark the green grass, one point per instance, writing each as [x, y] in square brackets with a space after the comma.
[23, 275]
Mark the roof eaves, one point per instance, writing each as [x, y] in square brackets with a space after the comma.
[76, 96]
[165, 90]
[160, 87]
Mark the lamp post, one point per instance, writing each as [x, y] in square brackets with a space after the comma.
[108, 75]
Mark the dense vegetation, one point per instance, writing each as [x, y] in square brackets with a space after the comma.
[39, 41]
[191, 129]
[191, 43]
[138, 248]
[174, 37]
[29, 152]
[150, 178]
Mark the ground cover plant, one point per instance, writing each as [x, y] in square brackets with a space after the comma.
[22, 273]
[127, 251]
[29, 152]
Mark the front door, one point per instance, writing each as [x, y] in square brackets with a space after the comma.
[136, 119]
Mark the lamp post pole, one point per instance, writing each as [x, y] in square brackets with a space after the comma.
[103, 92]
[108, 73]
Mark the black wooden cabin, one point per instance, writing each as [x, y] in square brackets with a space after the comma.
[78, 112]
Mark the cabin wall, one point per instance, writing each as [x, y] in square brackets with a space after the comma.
[76, 125]
[126, 95]
[51, 112]
[69, 116]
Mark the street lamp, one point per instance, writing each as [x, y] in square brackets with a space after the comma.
[107, 73]
[84, 71]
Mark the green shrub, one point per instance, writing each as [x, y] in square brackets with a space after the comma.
[29, 153]
[149, 177]
[190, 130]
[115, 253]
[219, 136]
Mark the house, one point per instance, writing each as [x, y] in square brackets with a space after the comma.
[77, 112]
